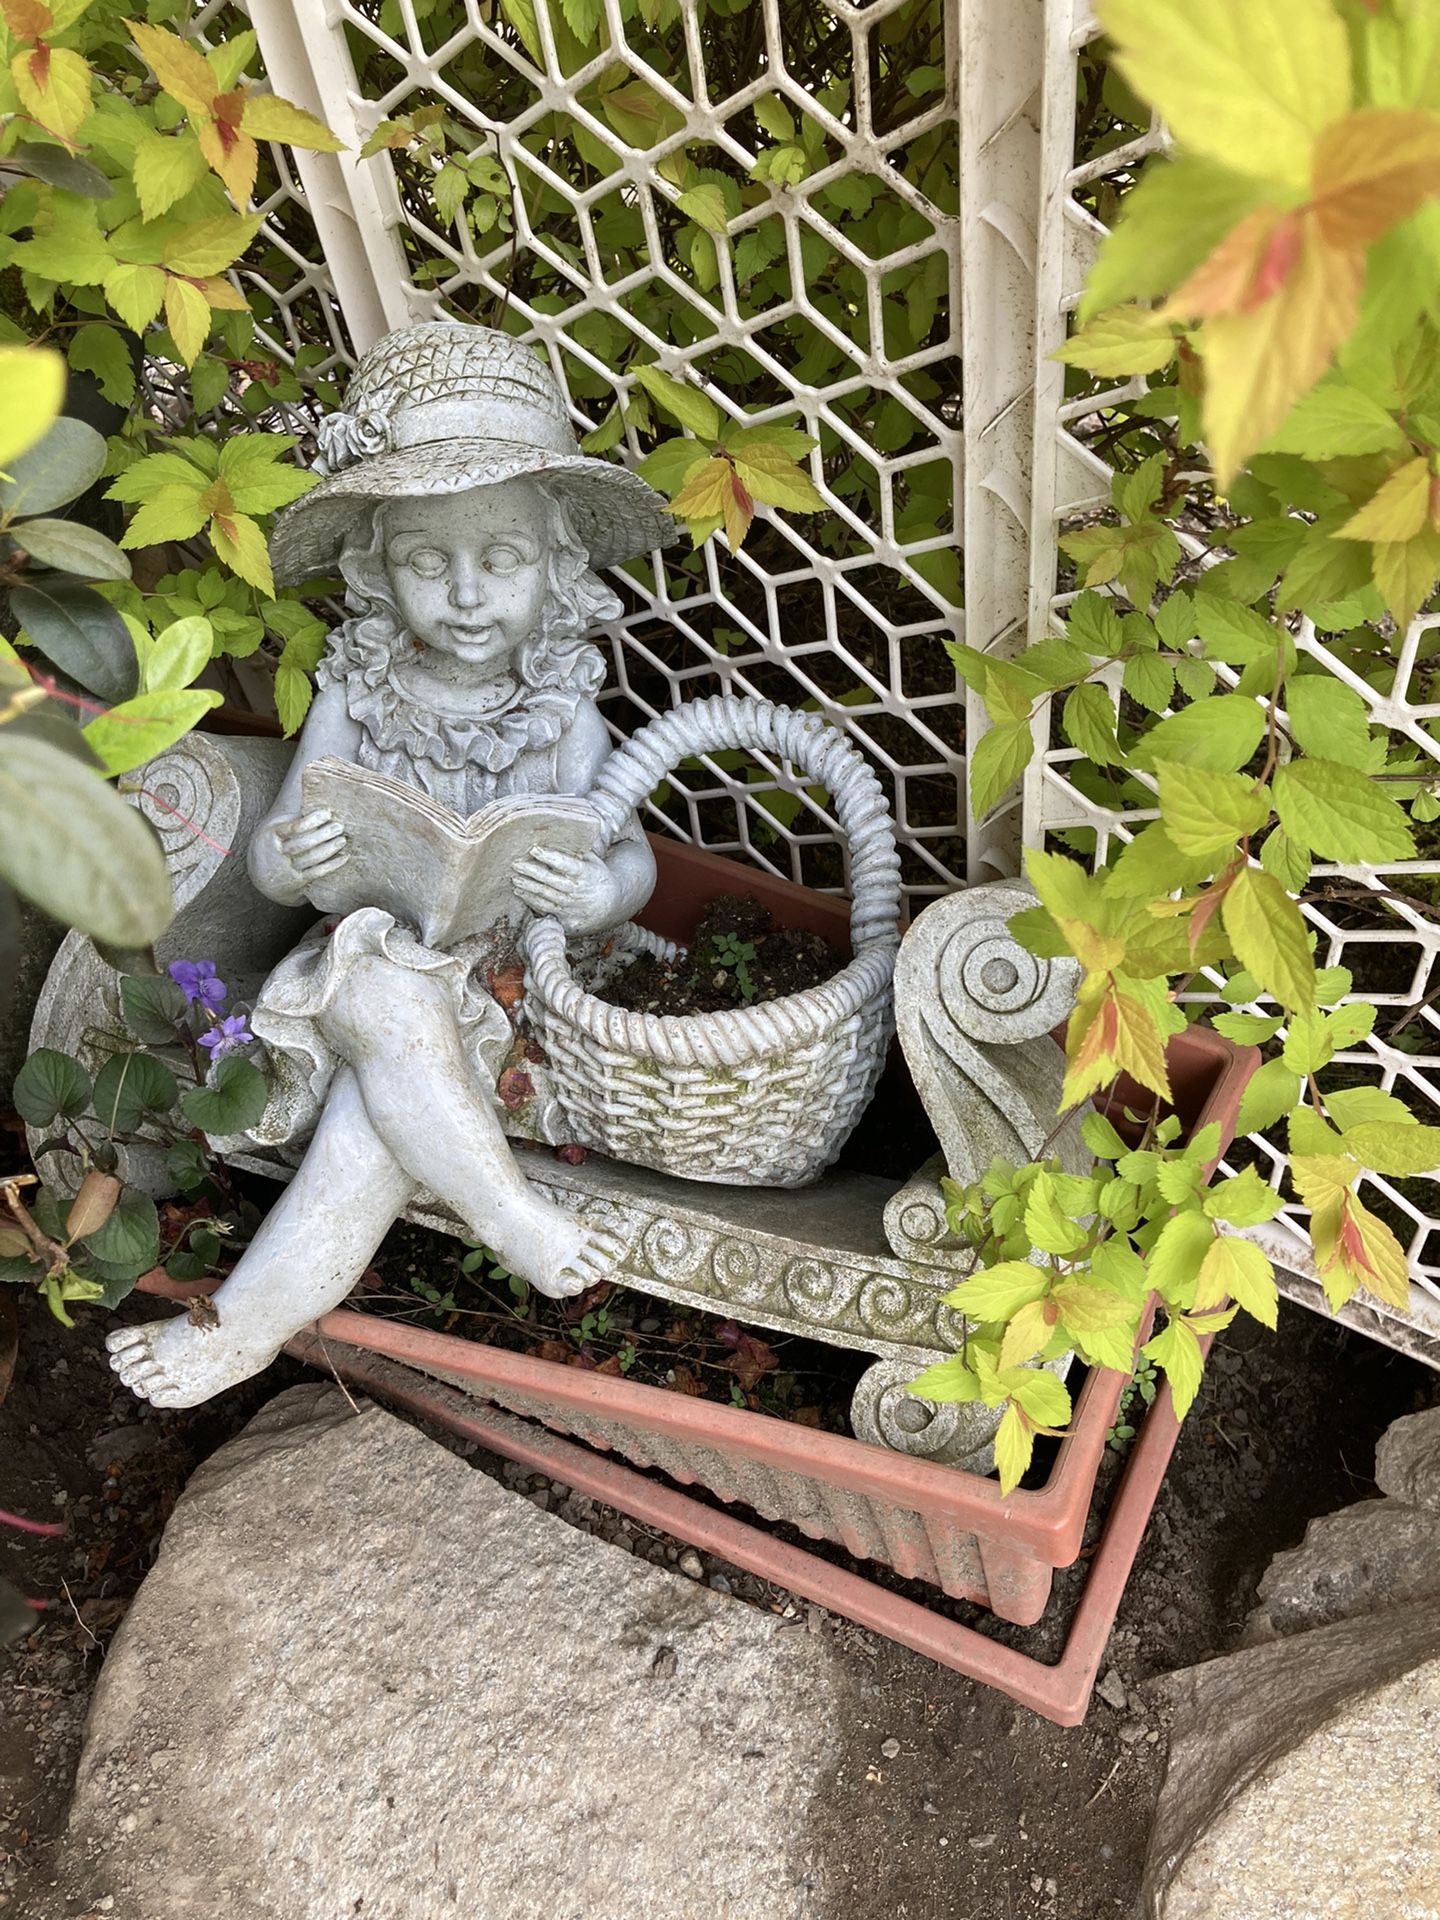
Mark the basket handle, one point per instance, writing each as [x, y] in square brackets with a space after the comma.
[820, 750]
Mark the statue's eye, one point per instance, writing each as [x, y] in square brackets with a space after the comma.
[428, 562]
[504, 559]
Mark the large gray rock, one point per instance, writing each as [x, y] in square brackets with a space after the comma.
[1302, 1779]
[1407, 1460]
[364, 1679]
[1346, 1822]
[1376, 1554]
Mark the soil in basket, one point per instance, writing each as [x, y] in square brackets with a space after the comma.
[737, 957]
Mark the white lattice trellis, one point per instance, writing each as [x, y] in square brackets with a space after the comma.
[846, 617]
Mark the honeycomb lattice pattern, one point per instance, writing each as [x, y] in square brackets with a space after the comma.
[848, 328]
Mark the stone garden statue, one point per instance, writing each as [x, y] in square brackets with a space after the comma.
[467, 527]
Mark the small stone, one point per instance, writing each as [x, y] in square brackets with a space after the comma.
[1037, 1884]
[540, 1499]
[1052, 1887]
[650, 1324]
[982, 1840]
[1152, 1736]
[890, 1750]
[1112, 1690]
[1107, 1852]
[665, 1662]
[1132, 1733]
[720, 1583]
[691, 1564]
[929, 1806]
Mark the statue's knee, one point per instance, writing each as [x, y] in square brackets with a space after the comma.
[376, 996]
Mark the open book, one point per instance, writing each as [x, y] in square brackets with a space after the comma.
[447, 876]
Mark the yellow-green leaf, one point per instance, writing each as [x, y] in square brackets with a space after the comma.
[32, 391]
[996, 762]
[54, 86]
[682, 402]
[134, 732]
[166, 166]
[1177, 1352]
[241, 545]
[774, 477]
[178, 65]
[1340, 813]
[1027, 1333]
[187, 314]
[136, 294]
[1268, 935]
[1397, 510]
[210, 246]
[1206, 812]
[1248, 82]
[268, 117]
[1125, 340]
[998, 1292]
[1406, 572]
[1014, 1445]
[1237, 1270]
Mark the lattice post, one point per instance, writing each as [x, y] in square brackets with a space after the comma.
[351, 201]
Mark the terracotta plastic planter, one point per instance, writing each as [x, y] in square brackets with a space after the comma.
[927, 1521]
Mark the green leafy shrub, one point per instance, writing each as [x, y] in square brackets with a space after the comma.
[1270, 290]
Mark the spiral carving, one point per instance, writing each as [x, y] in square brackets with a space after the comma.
[672, 1252]
[816, 1291]
[990, 986]
[886, 1306]
[739, 1273]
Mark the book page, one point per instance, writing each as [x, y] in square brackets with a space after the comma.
[436, 871]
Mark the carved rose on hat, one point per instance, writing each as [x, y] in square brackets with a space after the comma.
[347, 437]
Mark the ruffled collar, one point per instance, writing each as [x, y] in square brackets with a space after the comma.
[531, 718]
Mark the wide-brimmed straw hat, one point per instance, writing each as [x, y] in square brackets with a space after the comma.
[442, 407]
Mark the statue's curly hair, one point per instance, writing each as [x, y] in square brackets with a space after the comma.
[557, 654]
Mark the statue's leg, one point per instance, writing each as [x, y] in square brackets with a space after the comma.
[397, 1028]
[311, 1248]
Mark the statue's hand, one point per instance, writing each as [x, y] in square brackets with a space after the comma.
[578, 888]
[312, 845]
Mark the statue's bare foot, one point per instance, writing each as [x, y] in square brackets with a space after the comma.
[175, 1363]
[593, 1255]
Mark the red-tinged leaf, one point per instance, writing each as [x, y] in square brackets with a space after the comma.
[682, 1380]
[507, 985]
[1372, 169]
[1259, 361]
[571, 1155]
[27, 19]
[739, 509]
[1225, 281]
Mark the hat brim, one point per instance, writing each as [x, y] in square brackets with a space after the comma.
[614, 512]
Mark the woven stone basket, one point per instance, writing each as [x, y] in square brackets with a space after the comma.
[763, 1095]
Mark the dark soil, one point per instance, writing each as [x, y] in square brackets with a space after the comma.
[738, 957]
[984, 1811]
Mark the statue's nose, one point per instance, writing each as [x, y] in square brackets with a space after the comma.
[466, 582]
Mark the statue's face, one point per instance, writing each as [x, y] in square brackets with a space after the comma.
[468, 570]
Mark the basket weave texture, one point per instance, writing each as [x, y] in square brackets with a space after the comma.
[763, 1095]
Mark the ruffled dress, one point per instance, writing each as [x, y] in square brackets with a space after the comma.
[463, 762]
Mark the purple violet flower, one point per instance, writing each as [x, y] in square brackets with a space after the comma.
[196, 980]
[227, 1036]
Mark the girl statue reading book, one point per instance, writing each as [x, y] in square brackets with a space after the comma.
[467, 527]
